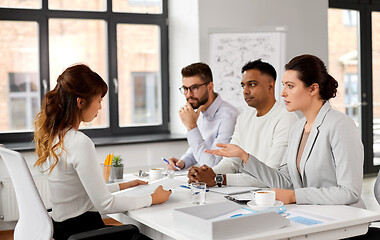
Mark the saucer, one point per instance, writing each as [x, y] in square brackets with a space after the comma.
[252, 204]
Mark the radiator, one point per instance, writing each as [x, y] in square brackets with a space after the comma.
[8, 197]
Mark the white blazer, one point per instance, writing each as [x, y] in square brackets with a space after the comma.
[331, 165]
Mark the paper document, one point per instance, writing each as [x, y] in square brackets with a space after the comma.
[247, 211]
[167, 183]
[181, 172]
[232, 190]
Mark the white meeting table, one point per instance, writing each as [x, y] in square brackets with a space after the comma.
[156, 221]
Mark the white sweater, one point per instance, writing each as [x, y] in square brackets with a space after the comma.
[77, 186]
[265, 138]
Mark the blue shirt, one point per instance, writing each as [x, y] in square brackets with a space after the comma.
[215, 125]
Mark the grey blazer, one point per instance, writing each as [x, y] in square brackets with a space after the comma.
[331, 165]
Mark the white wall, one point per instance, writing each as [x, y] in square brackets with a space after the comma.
[305, 21]
[183, 50]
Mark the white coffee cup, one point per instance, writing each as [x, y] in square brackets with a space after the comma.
[264, 198]
[156, 173]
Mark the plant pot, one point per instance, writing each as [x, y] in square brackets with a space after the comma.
[117, 172]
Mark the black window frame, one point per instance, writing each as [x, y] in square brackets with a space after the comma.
[42, 16]
[365, 8]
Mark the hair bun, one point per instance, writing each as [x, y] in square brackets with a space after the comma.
[332, 86]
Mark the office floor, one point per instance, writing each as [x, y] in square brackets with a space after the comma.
[367, 195]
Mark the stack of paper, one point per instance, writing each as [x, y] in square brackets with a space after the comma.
[141, 190]
[218, 220]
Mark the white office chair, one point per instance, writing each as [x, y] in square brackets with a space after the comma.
[373, 232]
[34, 222]
[377, 188]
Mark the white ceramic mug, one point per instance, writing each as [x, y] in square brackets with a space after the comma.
[155, 173]
[264, 198]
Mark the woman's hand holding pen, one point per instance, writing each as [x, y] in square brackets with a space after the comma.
[229, 150]
[160, 195]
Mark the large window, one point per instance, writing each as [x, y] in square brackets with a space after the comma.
[69, 43]
[343, 60]
[19, 74]
[124, 41]
[139, 75]
[354, 60]
[24, 99]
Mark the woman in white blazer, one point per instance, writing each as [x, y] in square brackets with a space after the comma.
[324, 160]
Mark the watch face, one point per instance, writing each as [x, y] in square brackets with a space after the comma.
[219, 178]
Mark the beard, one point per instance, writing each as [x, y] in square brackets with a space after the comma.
[199, 101]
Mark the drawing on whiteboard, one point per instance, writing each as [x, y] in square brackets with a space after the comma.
[230, 51]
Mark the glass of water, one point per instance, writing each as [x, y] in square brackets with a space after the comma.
[198, 193]
[170, 173]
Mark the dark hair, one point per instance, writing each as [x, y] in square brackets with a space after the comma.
[59, 110]
[198, 69]
[310, 69]
[263, 67]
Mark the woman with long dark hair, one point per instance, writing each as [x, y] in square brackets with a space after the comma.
[77, 189]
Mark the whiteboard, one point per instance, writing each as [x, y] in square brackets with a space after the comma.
[229, 52]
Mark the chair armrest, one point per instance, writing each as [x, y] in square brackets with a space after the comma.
[128, 231]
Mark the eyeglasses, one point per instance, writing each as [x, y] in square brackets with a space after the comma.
[193, 89]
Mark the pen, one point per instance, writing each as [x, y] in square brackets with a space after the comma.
[187, 187]
[176, 167]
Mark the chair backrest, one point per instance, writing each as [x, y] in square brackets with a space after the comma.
[34, 221]
[377, 188]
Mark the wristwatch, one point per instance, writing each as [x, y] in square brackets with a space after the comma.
[219, 179]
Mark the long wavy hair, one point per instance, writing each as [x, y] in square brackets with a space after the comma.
[60, 112]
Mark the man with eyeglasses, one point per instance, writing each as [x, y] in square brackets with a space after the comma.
[262, 130]
[208, 119]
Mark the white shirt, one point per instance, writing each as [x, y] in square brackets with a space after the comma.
[215, 125]
[264, 137]
[77, 186]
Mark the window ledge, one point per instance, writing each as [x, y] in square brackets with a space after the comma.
[109, 141]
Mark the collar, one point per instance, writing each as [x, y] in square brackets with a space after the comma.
[322, 114]
[211, 110]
